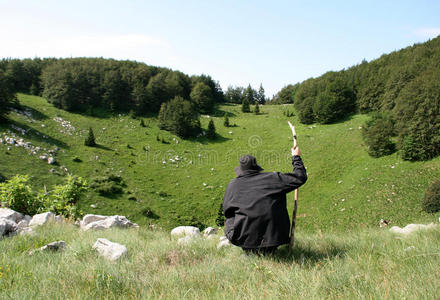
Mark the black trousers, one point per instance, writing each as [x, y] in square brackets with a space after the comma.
[261, 250]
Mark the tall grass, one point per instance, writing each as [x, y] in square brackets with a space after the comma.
[369, 264]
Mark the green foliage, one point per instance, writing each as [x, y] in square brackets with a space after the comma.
[220, 220]
[257, 109]
[17, 194]
[286, 94]
[211, 134]
[377, 133]
[7, 96]
[234, 95]
[431, 201]
[201, 95]
[226, 120]
[260, 96]
[90, 140]
[179, 117]
[108, 184]
[142, 124]
[63, 199]
[245, 106]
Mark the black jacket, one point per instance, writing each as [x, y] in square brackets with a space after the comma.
[255, 206]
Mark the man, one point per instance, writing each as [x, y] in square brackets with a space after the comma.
[255, 205]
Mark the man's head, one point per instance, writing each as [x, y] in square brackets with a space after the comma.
[248, 163]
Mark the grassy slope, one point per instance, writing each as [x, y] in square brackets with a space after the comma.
[338, 167]
[366, 264]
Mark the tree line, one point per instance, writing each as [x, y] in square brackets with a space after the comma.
[401, 89]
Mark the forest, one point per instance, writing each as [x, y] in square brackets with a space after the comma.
[400, 90]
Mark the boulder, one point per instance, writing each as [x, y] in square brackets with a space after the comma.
[224, 242]
[110, 250]
[41, 219]
[410, 228]
[7, 226]
[54, 246]
[185, 230]
[51, 160]
[12, 215]
[105, 222]
[210, 231]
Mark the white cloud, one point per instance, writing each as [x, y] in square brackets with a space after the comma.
[428, 32]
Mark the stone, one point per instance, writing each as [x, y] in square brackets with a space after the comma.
[105, 222]
[54, 246]
[43, 157]
[209, 231]
[224, 242]
[7, 226]
[41, 219]
[22, 224]
[185, 230]
[12, 215]
[51, 160]
[110, 250]
[26, 231]
[410, 228]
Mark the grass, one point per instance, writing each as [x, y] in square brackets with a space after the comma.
[347, 190]
[363, 264]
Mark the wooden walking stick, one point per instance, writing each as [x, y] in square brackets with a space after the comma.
[295, 205]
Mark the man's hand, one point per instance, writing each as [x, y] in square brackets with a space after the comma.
[296, 151]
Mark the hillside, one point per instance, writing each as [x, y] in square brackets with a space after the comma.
[367, 264]
[178, 181]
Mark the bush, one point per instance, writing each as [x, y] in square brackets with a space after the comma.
[245, 106]
[377, 133]
[202, 96]
[431, 201]
[179, 117]
[257, 109]
[109, 184]
[211, 130]
[62, 199]
[17, 194]
[226, 120]
[90, 140]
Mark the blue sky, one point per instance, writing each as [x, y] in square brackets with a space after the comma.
[236, 42]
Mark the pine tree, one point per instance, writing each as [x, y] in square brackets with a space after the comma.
[211, 130]
[226, 120]
[90, 140]
[142, 124]
[245, 107]
[257, 109]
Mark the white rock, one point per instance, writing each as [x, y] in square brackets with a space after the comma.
[26, 231]
[51, 160]
[411, 228]
[12, 215]
[93, 205]
[43, 157]
[7, 226]
[110, 250]
[54, 246]
[209, 231]
[224, 242]
[185, 230]
[109, 222]
[89, 218]
[22, 224]
[41, 219]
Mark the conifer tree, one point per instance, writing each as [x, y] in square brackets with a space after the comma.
[245, 107]
[90, 140]
[211, 130]
[226, 120]
[257, 109]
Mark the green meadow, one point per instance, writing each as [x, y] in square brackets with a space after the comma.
[170, 181]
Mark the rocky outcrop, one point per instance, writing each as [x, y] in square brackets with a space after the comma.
[41, 219]
[9, 214]
[185, 230]
[110, 250]
[104, 222]
[410, 228]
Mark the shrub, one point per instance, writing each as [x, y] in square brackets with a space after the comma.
[377, 133]
[245, 106]
[220, 220]
[226, 120]
[179, 117]
[211, 130]
[202, 96]
[142, 124]
[107, 185]
[17, 194]
[431, 201]
[257, 109]
[90, 140]
[62, 199]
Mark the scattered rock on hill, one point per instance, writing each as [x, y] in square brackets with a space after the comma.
[91, 221]
[41, 219]
[110, 250]
[185, 230]
[209, 232]
[410, 228]
[7, 213]
[7, 227]
[54, 246]
[224, 242]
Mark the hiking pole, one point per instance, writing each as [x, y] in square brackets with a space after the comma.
[295, 205]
